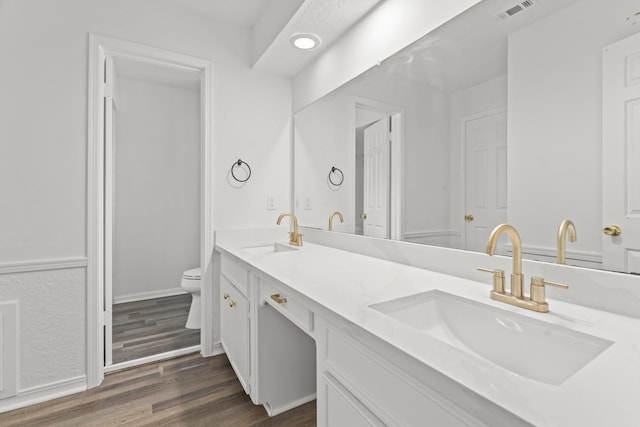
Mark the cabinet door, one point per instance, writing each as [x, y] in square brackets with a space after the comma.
[234, 329]
[343, 409]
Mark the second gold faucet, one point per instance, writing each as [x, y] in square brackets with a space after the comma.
[295, 238]
[340, 217]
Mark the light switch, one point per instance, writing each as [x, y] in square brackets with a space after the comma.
[307, 203]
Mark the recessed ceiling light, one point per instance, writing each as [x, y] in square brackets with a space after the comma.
[304, 41]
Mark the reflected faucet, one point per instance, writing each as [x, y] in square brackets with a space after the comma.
[331, 219]
[295, 238]
[567, 230]
[517, 279]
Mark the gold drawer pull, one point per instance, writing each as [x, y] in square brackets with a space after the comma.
[232, 303]
[276, 298]
[226, 296]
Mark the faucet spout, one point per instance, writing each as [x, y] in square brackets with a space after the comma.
[517, 279]
[331, 219]
[567, 231]
[295, 238]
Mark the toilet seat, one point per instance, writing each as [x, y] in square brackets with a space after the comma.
[193, 274]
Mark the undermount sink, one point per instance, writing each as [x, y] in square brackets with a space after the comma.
[271, 248]
[524, 346]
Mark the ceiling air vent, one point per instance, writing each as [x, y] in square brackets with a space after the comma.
[517, 8]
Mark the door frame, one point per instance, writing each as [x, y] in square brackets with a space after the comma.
[396, 200]
[459, 220]
[101, 47]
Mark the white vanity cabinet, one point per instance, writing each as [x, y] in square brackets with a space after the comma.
[364, 382]
[265, 331]
[235, 326]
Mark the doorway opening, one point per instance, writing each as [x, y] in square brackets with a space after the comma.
[152, 210]
[378, 161]
[149, 205]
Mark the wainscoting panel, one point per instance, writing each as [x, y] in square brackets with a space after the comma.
[8, 349]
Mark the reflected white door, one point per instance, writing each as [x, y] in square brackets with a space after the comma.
[486, 178]
[109, 126]
[377, 160]
[621, 154]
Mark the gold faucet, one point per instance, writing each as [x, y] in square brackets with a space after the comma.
[517, 279]
[295, 238]
[331, 219]
[567, 230]
[536, 301]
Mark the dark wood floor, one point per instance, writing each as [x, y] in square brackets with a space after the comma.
[188, 391]
[154, 326]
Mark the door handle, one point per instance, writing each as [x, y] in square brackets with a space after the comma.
[612, 230]
[468, 217]
[363, 215]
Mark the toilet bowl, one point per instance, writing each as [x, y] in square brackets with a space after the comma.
[191, 283]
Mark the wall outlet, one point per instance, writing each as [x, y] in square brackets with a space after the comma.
[271, 202]
[307, 203]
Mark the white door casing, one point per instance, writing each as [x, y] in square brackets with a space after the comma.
[621, 154]
[377, 157]
[101, 47]
[109, 180]
[486, 177]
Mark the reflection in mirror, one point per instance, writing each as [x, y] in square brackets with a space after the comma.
[494, 117]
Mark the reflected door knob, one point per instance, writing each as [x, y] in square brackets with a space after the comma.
[363, 215]
[468, 217]
[612, 230]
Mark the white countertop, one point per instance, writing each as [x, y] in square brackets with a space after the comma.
[605, 392]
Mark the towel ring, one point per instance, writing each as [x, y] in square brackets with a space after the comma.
[238, 164]
[336, 176]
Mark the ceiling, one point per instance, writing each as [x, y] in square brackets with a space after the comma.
[272, 22]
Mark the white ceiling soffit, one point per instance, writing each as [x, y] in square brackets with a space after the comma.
[239, 12]
[327, 19]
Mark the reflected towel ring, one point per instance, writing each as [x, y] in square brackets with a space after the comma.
[336, 176]
[238, 164]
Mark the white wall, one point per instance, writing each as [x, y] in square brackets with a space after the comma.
[388, 28]
[157, 188]
[43, 151]
[554, 124]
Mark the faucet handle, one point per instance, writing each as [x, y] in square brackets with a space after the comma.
[498, 279]
[537, 288]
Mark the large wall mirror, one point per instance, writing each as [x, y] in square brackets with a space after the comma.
[524, 112]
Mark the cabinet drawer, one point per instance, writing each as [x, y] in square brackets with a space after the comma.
[236, 272]
[396, 398]
[287, 305]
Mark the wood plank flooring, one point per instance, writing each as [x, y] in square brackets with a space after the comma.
[187, 391]
[154, 326]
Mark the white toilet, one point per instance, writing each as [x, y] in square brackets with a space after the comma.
[191, 283]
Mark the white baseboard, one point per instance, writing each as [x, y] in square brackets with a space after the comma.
[277, 410]
[39, 394]
[216, 350]
[148, 295]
